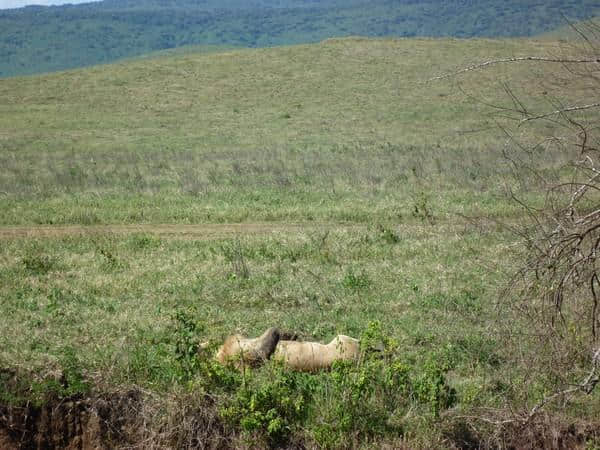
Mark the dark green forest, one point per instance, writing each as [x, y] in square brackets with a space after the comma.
[40, 39]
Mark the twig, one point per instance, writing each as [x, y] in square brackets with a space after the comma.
[518, 59]
[560, 111]
[586, 386]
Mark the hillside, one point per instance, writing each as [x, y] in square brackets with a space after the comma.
[195, 134]
[41, 39]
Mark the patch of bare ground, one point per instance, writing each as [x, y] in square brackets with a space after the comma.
[545, 431]
[129, 418]
[126, 419]
[122, 421]
[72, 423]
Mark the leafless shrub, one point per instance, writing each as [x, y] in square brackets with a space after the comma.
[553, 154]
[556, 289]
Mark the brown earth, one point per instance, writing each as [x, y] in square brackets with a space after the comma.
[75, 423]
[544, 431]
[121, 420]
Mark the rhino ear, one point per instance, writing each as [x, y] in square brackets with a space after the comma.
[287, 335]
[276, 334]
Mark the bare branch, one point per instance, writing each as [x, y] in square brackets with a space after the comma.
[560, 111]
[556, 290]
[516, 59]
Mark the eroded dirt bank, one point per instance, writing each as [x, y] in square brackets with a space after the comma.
[126, 418]
[124, 421]
[75, 423]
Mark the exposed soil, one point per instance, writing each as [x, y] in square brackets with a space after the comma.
[542, 432]
[551, 433]
[115, 421]
[120, 419]
[75, 423]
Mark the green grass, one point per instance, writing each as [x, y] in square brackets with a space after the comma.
[111, 301]
[332, 282]
[358, 173]
[275, 134]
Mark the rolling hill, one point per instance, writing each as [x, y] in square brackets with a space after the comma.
[190, 136]
[41, 39]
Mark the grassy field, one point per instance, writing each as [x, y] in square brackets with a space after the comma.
[261, 135]
[155, 204]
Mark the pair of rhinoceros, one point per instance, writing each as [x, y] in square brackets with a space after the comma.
[297, 355]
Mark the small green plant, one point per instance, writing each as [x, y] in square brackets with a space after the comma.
[187, 343]
[195, 362]
[72, 381]
[141, 241]
[39, 264]
[14, 388]
[387, 235]
[356, 281]
[110, 260]
[592, 443]
[430, 386]
[422, 208]
[235, 255]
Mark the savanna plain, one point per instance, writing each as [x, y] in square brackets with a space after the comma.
[152, 206]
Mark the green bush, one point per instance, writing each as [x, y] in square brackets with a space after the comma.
[187, 343]
[273, 405]
[195, 362]
[368, 398]
[429, 387]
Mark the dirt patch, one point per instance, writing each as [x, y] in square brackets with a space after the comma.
[121, 419]
[551, 433]
[74, 423]
[545, 431]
